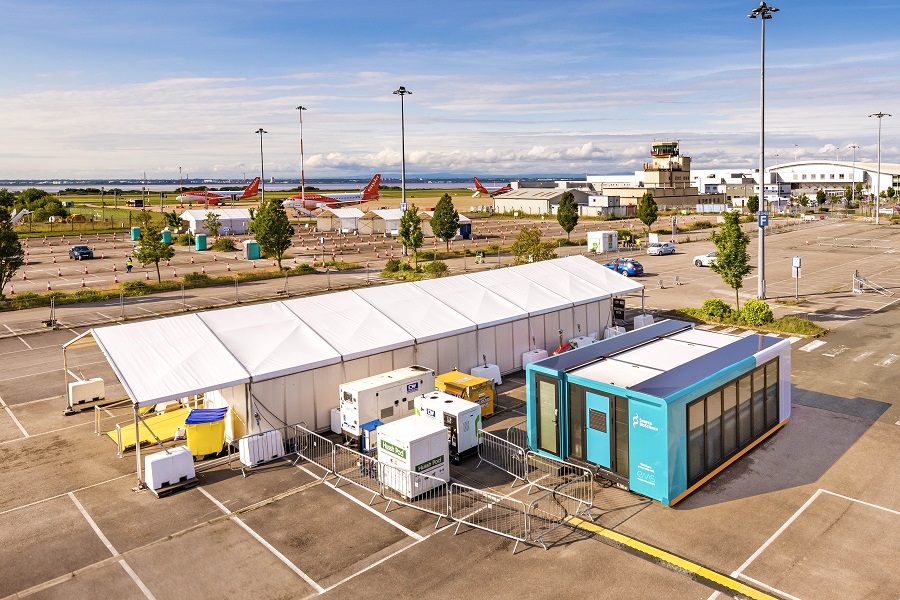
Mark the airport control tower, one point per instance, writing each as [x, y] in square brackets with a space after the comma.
[668, 169]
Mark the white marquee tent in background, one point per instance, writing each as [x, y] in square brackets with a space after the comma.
[284, 361]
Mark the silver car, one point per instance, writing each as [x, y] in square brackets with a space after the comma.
[660, 248]
[704, 260]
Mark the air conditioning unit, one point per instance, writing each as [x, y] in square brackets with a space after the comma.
[260, 448]
[85, 393]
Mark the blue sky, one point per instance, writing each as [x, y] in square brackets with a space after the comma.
[114, 89]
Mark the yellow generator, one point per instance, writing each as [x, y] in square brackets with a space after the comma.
[469, 387]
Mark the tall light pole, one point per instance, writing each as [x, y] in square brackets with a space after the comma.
[302, 174]
[853, 176]
[795, 152]
[764, 12]
[262, 167]
[402, 91]
[878, 175]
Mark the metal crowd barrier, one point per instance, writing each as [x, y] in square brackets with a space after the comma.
[517, 434]
[416, 490]
[552, 509]
[359, 469]
[502, 454]
[315, 449]
[501, 515]
[553, 475]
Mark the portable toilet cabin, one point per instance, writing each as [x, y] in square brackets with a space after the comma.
[166, 237]
[200, 242]
[135, 234]
[251, 250]
[602, 241]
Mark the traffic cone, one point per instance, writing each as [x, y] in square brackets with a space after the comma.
[174, 273]
[85, 270]
[12, 290]
[192, 260]
[115, 279]
[202, 270]
[167, 262]
[147, 275]
[24, 276]
[54, 260]
[228, 267]
[254, 264]
[114, 267]
[58, 272]
[82, 282]
[273, 263]
[215, 258]
[102, 256]
[48, 286]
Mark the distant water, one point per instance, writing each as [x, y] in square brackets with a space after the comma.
[131, 188]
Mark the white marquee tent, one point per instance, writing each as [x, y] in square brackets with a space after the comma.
[284, 361]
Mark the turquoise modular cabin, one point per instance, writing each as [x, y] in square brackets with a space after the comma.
[662, 409]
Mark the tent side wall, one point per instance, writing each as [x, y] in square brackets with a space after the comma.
[241, 422]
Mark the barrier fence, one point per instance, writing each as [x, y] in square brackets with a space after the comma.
[566, 479]
[316, 449]
[415, 490]
[502, 454]
[359, 469]
[853, 242]
[501, 515]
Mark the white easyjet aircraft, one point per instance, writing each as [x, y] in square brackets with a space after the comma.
[213, 198]
[312, 201]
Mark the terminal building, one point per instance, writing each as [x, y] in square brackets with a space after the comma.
[662, 409]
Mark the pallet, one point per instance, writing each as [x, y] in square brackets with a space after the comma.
[172, 488]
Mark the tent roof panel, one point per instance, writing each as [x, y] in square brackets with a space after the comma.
[425, 317]
[534, 298]
[598, 275]
[472, 300]
[571, 286]
[269, 340]
[165, 359]
[349, 324]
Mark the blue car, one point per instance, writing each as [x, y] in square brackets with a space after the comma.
[626, 266]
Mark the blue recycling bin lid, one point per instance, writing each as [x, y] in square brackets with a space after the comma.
[205, 415]
[371, 425]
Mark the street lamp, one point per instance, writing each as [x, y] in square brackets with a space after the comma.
[764, 12]
[402, 91]
[795, 150]
[853, 176]
[302, 175]
[878, 176]
[262, 168]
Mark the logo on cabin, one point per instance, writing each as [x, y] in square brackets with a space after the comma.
[395, 450]
[637, 421]
[412, 387]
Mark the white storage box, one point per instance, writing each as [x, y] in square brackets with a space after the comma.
[414, 446]
[335, 420]
[162, 469]
[488, 371]
[385, 397]
[89, 390]
[643, 321]
[581, 341]
[261, 447]
[462, 419]
[532, 356]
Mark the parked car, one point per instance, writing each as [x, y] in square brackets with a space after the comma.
[80, 252]
[704, 260]
[660, 248]
[626, 266]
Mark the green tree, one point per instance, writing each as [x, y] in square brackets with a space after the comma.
[732, 259]
[172, 220]
[528, 246]
[567, 213]
[445, 221]
[7, 198]
[803, 200]
[411, 231]
[145, 218]
[848, 196]
[753, 203]
[153, 249]
[647, 211]
[212, 224]
[271, 228]
[11, 254]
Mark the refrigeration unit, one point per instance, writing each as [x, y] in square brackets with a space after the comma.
[462, 419]
[415, 455]
[385, 397]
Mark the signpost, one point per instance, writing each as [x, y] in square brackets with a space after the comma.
[618, 309]
[674, 226]
[762, 218]
[795, 273]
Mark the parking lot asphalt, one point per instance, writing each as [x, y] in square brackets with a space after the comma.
[810, 513]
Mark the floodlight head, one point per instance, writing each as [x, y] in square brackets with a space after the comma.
[260, 131]
[301, 108]
[763, 10]
[402, 91]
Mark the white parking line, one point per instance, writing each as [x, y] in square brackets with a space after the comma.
[811, 346]
[262, 541]
[863, 356]
[112, 550]
[887, 361]
[13, 417]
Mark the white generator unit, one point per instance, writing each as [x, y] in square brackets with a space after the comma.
[84, 394]
[487, 371]
[260, 448]
[462, 419]
[385, 397]
[532, 356]
[410, 448]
